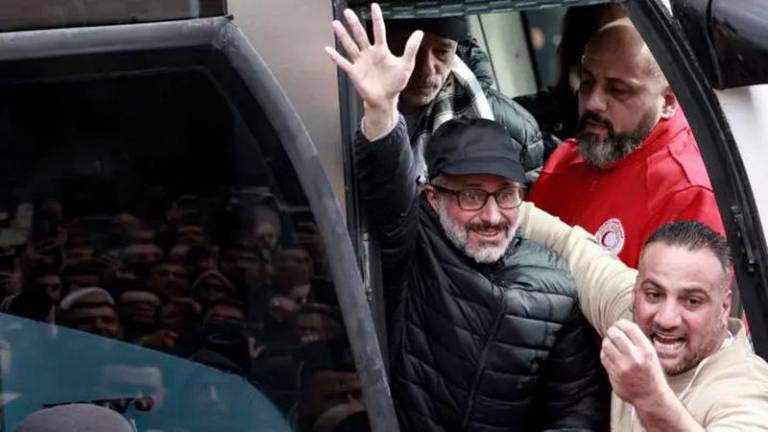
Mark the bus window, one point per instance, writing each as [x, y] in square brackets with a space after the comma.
[158, 256]
[39, 14]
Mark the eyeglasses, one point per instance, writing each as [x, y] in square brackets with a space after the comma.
[475, 199]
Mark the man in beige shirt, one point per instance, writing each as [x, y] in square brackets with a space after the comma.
[675, 360]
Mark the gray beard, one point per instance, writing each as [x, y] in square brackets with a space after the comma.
[612, 149]
[615, 147]
[458, 235]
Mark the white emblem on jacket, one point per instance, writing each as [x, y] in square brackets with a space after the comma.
[611, 235]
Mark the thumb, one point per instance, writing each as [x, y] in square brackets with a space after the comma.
[412, 47]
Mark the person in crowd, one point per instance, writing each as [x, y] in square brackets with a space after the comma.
[319, 322]
[242, 265]
[40, 292]
[78, 249]
[178, 323]
[74, 418]
[329, 388]
[212, 286]
[90, 310]
[190, 234]
[225, 309]
[138, 310]
[479, 318]
[634, 164]
[224, 331]
[48, 231]
[200, 259]
[257, 225]
[83, 274]
[168, 279]
[44, 278]
[675, 359]
[442, 87]
[142, 256]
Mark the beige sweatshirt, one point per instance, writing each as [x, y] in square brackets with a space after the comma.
[728, 391]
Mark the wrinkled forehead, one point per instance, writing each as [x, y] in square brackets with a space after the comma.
[678, 268]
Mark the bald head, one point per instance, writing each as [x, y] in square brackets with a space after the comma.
[622, 94]
[619, 40]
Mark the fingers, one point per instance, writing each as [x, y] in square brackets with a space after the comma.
[340, 61]
[609, 351]
[346, 41]
[412, 47]
[357, 29]
[379, 29]
[620, 340]
[634, 334]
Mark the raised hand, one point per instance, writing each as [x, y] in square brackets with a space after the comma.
[378, 75]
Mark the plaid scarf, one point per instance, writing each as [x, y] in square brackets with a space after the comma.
[461, 97]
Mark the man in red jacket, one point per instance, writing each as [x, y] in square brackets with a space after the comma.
[634, 164]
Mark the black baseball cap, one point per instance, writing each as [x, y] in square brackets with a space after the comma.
[474, 146]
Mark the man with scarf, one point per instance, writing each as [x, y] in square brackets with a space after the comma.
[442, 87]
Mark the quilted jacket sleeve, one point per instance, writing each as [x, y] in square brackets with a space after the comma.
[574, 392]
[389, 196]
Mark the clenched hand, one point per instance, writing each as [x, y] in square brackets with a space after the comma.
[632, 364]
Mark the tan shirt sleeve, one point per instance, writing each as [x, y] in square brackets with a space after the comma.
[603, 282]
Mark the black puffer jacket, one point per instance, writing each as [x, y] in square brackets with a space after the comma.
[499, 347]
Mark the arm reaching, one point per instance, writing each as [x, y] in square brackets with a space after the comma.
[604, 283]
[378, 75]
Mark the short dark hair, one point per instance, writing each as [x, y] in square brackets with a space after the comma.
[694, 236]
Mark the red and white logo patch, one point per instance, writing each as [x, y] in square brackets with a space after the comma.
[611, 235]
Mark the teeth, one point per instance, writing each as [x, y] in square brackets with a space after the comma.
[667, 345]
[310, 338]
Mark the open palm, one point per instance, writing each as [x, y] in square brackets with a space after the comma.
[378, 75]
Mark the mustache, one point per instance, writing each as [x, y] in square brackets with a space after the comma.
[503, 226]
[430, 81]
[591, 116]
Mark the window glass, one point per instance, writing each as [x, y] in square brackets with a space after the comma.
[37, 14]
[158, 256]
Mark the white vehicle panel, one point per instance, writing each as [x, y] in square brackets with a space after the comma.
[747, 111]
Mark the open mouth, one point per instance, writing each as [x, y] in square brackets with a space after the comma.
[667, 345]
[488, 232]
[310, 337]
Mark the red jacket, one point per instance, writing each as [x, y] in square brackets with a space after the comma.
[663, 180]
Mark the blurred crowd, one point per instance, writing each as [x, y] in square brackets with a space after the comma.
[236, 281]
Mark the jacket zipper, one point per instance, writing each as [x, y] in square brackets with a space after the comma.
[483, 355]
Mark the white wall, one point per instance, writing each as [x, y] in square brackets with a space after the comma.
[290, 36]
[747, 111]
[506, 45]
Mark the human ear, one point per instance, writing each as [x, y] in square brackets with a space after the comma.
[669, 106]
[431, 196]
[727, 303]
